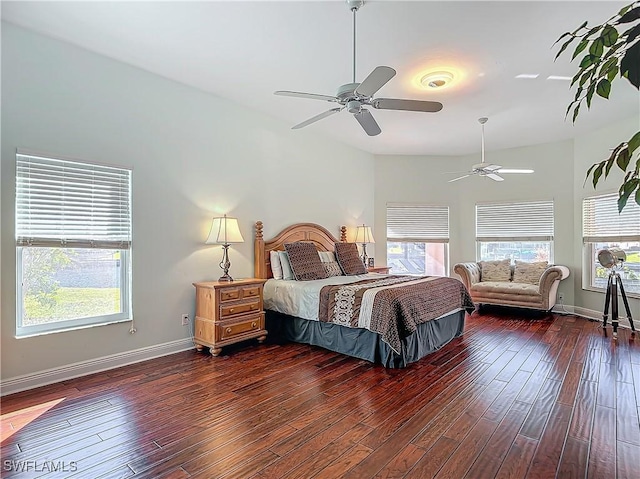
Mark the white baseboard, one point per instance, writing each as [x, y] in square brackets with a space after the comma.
[593, 314]
[83, 368]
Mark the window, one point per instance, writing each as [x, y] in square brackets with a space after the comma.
[518, 231]
[73, 240]
[418, 239]
[602, 228]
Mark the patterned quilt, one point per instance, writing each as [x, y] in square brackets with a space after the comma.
[392, 306]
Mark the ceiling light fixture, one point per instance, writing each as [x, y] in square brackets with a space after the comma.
[528, 75]
[558, 77]
[436, 79]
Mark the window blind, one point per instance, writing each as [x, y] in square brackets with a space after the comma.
[601, 221]
[420, 223]
[526, 221]
[70, 203]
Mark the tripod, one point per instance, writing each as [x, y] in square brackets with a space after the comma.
[613, 284]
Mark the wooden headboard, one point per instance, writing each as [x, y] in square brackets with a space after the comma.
[314, 233]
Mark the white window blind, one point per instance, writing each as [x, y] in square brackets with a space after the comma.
[601, 221]
[526, 221]
[70, 203]
[420, 223]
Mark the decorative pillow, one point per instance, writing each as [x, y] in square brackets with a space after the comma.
[332, 268]
[350, 262]
[305, 261]
[276, 265]
[327, 256]
[529, 273]
[495, 270]
[287, 272]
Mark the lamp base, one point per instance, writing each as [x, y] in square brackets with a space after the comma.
[225, 277]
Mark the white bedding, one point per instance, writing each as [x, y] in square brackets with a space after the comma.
[302, 298]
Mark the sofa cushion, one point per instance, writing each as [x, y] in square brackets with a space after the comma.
[529, 273]
[505, 287]
[495, 270]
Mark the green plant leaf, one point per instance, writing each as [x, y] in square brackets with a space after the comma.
[581, 46]
[608, 65]
[625, 191]
[597, 173]
[565, 34]
[588, 173]
[630, 64]
[590, 92]
[579, 28]
[585, 76]
[637, 199]
[604, 88]
[630, 16]
[609, 36]
[575, 112]
[632, 34]
[563, 48]
[623, 159]
[612, 73]
[597, 47]
[625, 9]
[622, 200]
[613, 50]
[634, 142]
[610, 163]
[588, 60]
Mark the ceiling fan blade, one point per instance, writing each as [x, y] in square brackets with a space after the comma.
[408, 105]
[368, 123]
[492, 168]
[316, 118]
[376, 80]
[311, 96]
[514, 170]
[494, 177]
[459, 178]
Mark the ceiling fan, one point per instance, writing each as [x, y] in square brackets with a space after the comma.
[355, 96]
[487, 169]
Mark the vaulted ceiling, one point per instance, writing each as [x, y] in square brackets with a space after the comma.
[244, 51]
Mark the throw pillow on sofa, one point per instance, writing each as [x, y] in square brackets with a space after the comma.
[529, 273]
[495, 270]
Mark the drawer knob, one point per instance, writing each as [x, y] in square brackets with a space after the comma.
[253, 306]
[231, 310]
[228, 330]
[254, 324]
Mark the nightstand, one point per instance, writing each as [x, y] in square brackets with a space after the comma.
[378, 269]
[228, 312]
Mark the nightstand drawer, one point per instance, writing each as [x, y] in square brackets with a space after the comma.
[230, 329]
[251, 291]
[250, 306]
[229, 294]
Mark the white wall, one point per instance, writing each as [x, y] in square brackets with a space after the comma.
[193, 156]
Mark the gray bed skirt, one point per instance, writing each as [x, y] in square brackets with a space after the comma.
[363, 344]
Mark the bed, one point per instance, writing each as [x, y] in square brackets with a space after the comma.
[391, 329]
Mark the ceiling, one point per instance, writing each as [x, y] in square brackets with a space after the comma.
[244, 51]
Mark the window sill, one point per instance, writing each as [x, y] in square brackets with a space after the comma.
[604, 291]
[32, 334]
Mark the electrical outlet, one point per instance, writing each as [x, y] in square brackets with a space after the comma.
[185, 319]
[561, 296]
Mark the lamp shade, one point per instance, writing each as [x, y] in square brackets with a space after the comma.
[364, 235]
[224, 230]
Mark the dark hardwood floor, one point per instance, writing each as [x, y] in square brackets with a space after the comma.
[514, 397]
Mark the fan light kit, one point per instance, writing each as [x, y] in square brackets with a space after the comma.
[436, 79]
[487, 169]
[355, 96]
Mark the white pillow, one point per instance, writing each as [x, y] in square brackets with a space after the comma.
[327, 256]
[276, 265]
[287, 272]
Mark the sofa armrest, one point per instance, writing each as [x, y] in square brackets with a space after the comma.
[469, 272]
[551, 275]
[549, 282]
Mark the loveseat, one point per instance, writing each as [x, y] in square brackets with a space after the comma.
[523, 285]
